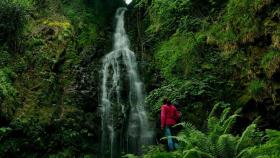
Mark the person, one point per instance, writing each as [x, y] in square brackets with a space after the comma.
[169, 117]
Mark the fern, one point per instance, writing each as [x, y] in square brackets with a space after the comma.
[226, 145]
[6, 88]
[188, 127]
[274, 136]
[156, 152]
[229, 123]
[212, 122]
[217, 142]
[196, 153]
[214, 109]
[224, 115]
[246, 138]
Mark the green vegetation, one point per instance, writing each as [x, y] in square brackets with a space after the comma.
[13, 16]
[255, 87]
[6, 76]
[178, 55]
[211, 53]
[43, 47]
[219, 59]
[217, 140]
[270, 62]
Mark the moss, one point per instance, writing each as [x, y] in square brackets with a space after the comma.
[162, 14]
[221, 34]
[61, 24]
[30, 110]
[256, 87]
[276, 40]
[243, 100]
[270, 62]
[177, 56]
[238, 24]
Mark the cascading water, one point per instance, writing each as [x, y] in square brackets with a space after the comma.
[125, 126]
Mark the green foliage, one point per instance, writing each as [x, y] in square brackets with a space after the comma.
[57, 139]
[195, 72]
[88, 35]
[185, 15]
[154, 100]
[224, 38]
[4, 131]
[238, 24]
[256, 87]
[168, 10]
[178, 56]
[270, 62]
[6, 87]
[85, 20]
[180, 90]
[40, 4]
[12, 21]
[46, 124]
[266, 60]
[157, 152]
[239, 32]
[218, 142]
[269, 149]
[5, 57]
[240, 15]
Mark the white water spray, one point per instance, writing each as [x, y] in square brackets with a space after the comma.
[125, 126]
[128, 1]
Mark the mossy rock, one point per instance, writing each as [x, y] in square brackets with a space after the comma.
[60, 24]
[256, 87]
[270, 63]
[243, 99]
[276, 40]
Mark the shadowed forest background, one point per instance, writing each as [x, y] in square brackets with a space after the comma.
[219, 59]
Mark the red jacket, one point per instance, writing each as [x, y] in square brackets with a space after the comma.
[169, 115]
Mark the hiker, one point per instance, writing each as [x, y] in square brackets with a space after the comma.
[169, 117]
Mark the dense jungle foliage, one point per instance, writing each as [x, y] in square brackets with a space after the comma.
[219, 59]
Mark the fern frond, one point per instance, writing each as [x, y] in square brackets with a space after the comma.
[212, 123]
[238, 111]
[229, 123]
[187, 126]
[199, 140]
[245, 153]
[256, 120]
[269, 149]
[213, 110]
[273, 136]
[246, 139]
[224, 115]
[196, 153]
[226, 146]
[262, 150]
[181, 138]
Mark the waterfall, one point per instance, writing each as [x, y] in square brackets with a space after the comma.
[125, 126]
